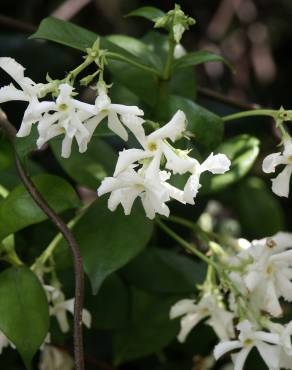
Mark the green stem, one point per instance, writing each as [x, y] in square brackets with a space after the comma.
[250, 113]
[188, 246]
[144, 67]
[170, 57]
[73, 74]
[48, 252]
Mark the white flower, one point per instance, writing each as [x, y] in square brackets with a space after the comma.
[216, 164]
[281, 183]
[53, 358]
[219, 319]
[28, 92]
[148, 183]
[248, 339]
[129, 116]
[65, 116]
[155, 145]
[269, 275]
[59, 307]
[4, 342]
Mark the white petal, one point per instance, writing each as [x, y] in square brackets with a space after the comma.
[175, 163]
[226, 346]
[284, 286]
[269, 353]
[115, 125]
[135, 125]
[172, 130]
[252, 279]
[126, 109]
[107, 185]
[264, 336]
[89, 108]
[182, 307]
[93, 122]
[271, 162]
[240, 357]
[127, 199]
[129, 156]
[187, 323]
[216, 164]
[66, 146]
[191, 188]
[10, 92]
[175, 193]
[16, 71]
[271, 303]
[114, 200]
[152, 172]
[287, 148]
[86, 318]
[281, 183]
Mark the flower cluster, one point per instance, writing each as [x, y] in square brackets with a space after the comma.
[256, 278]
[64, 115]
[138, 172]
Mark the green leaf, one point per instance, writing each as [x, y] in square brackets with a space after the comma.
[137, 48]
[19, 210]
[162, 271]
[69, 34]
[259, 211]
[24, 312]
[149, 12]
[242, 150]
[88, 168]
[206, 127]
[151, 328]
[108, 240]
[110, 308]
[196, 58]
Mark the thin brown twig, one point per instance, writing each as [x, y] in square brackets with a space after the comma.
[226, 99]
[16, 24]
[68, 236]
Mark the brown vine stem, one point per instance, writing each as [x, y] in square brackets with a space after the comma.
[68, 236]
[207, 93]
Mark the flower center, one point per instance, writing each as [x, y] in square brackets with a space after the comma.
[269, 270]
[152, 146]
[140, 187]
[63, 107]
[248, 342]
[290, 159]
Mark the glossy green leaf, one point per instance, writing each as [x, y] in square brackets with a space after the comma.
[149, 12]
[196, 58]
[69, 34]
[137, 48]
[151, 328]
[19, 210]
[162, 271]
[24, 313]
[205, 127]
[108, 240]
[88, 168]
[242, 150]
[110, 308]
[259, 211]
